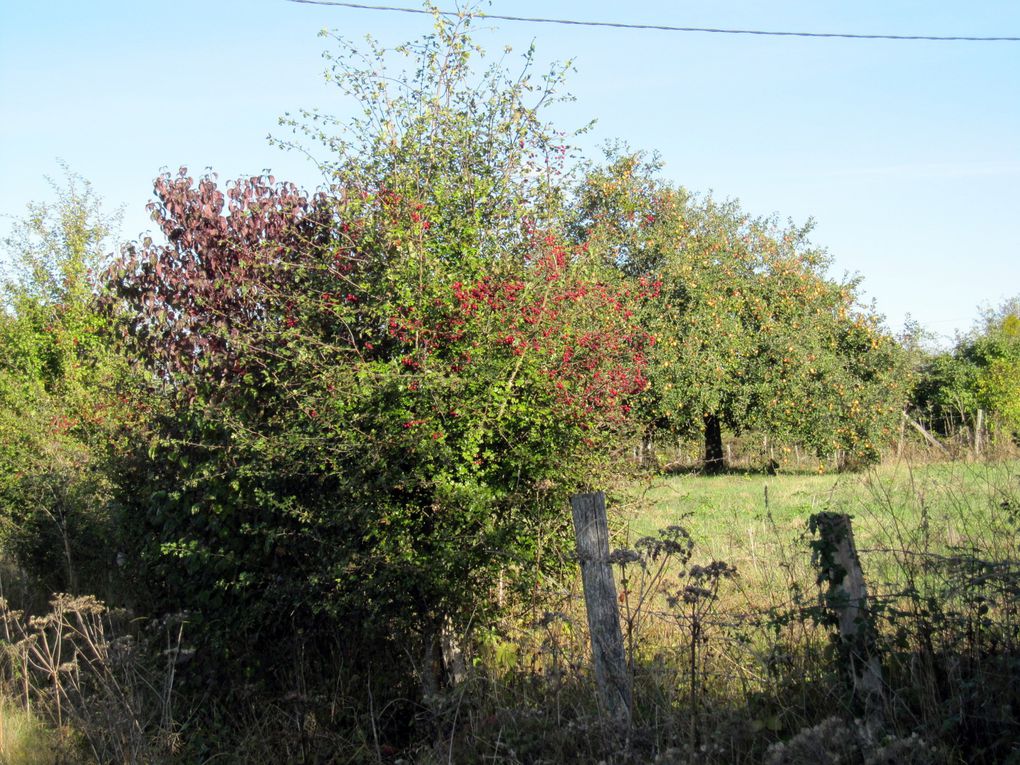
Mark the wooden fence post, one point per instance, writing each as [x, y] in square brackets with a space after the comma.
[979, 426]
[927, 436]
[591, 528]
[835, 556]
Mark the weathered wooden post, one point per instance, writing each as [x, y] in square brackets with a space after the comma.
[979, 426]
[591, 528]
[927, 436]
[835, 556]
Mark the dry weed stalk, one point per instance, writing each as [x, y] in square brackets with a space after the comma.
[76, 668]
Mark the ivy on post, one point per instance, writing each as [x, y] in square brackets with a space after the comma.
[834, 554]
[591, 528]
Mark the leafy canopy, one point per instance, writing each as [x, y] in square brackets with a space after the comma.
[752, 332]
[982, 372]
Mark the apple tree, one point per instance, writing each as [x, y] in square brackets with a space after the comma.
[751, 332]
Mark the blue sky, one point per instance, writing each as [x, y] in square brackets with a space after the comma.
[907, 154]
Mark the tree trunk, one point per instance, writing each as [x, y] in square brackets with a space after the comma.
[648, 458]
[454, 663]
[714, 461]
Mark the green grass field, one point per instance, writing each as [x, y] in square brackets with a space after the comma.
[758, 522]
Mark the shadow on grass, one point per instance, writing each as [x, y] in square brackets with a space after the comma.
[677, 469]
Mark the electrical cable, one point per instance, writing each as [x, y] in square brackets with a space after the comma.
[660, 27]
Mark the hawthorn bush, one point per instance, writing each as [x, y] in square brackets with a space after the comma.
[375, 400]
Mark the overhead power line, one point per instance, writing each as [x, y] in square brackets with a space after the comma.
[662, 27]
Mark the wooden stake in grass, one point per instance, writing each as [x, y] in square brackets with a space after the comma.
[592, 531]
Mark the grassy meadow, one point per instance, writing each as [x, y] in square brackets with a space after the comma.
[953, 493]
[754, 520]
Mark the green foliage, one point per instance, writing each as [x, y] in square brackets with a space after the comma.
[996, 355]
[946, 390]
[751, 333]
[57, 398]
[998, 388]
[982, 372]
